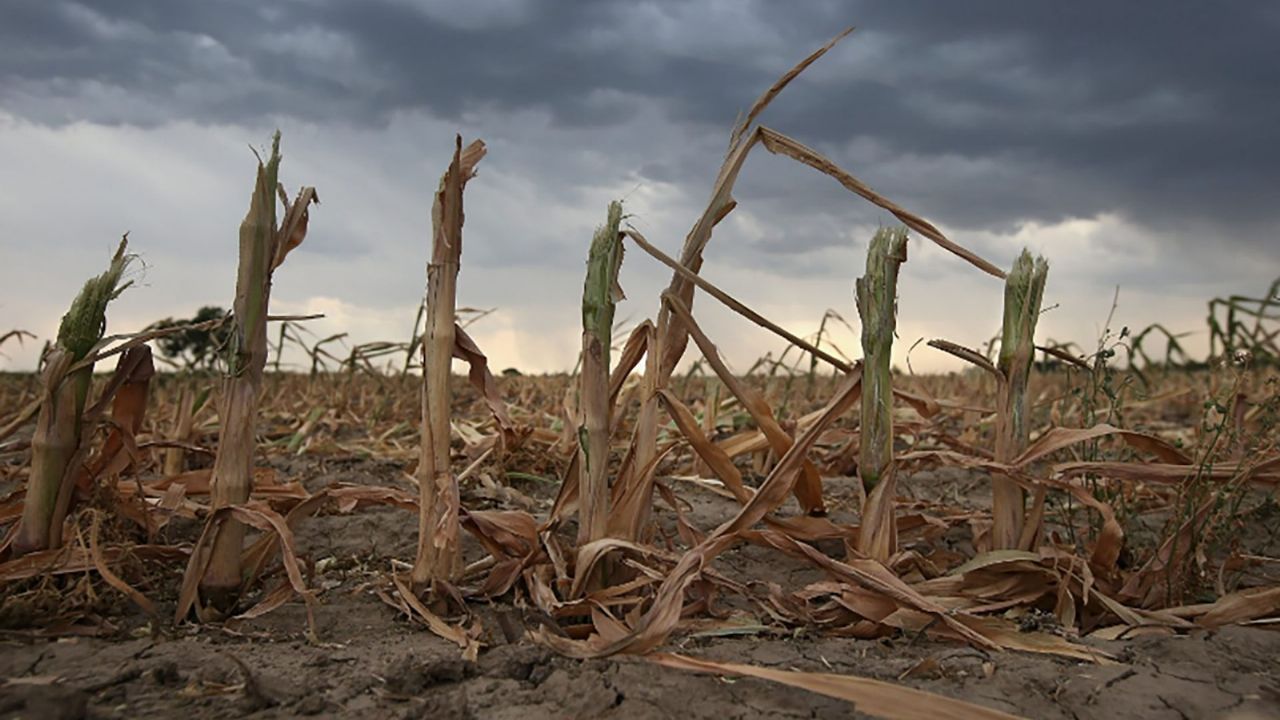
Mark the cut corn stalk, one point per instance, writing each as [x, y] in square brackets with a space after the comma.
[189, 403]
[263, 247]
[710, 408]
[65, 389]
[625, 584]
[876, 296]
[438, 558]
[600, 293]
[599, 296]
[1023, 293]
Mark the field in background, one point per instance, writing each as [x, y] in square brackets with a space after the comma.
[346, 430]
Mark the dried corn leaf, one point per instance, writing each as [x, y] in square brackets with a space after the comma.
[1061, 438]
[114, 580]
[713, 456]
[808, 487]
[453, 633]
[777, 143]
[873, 697]
[664, 613]
[1242, 606]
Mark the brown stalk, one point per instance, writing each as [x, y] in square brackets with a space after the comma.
[776, 142]
[734, 304]
[263, 247]
[600, 293]
[873, 697]
[663, 615]
[710, 411]
[128, 411]
[715, 459]
[670, 339]
[175, 457]
[438, 558]
[127, 393]
[56, 449]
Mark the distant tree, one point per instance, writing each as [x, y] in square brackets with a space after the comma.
[195, 349]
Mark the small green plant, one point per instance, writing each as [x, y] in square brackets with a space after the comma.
[1100, 396]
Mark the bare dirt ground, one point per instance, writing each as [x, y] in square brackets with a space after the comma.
[372, 662]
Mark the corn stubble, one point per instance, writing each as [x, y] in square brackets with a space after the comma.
[66, 382]
[876, 293]
[623, 583]
[439, 556]
[263, 247]
[600, 294]
[1023, 294]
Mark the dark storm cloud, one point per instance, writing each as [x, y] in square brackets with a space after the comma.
[1157, 109]
[983, 114]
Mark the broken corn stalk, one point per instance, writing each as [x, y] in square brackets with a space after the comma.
[1023, 294]
[600, 292]
[876, 294]
[263, 247]
[189, 403]
[58, 426]
[439, 556]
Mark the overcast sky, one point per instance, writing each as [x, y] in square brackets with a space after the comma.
[1134, 144]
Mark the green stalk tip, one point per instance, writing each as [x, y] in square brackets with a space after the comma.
[601, 291]
[86, 320]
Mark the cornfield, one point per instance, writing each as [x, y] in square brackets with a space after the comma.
[864, 535]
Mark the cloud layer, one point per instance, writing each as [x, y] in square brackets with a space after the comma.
[1130, 143]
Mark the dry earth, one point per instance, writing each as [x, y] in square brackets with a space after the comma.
[372, 663]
